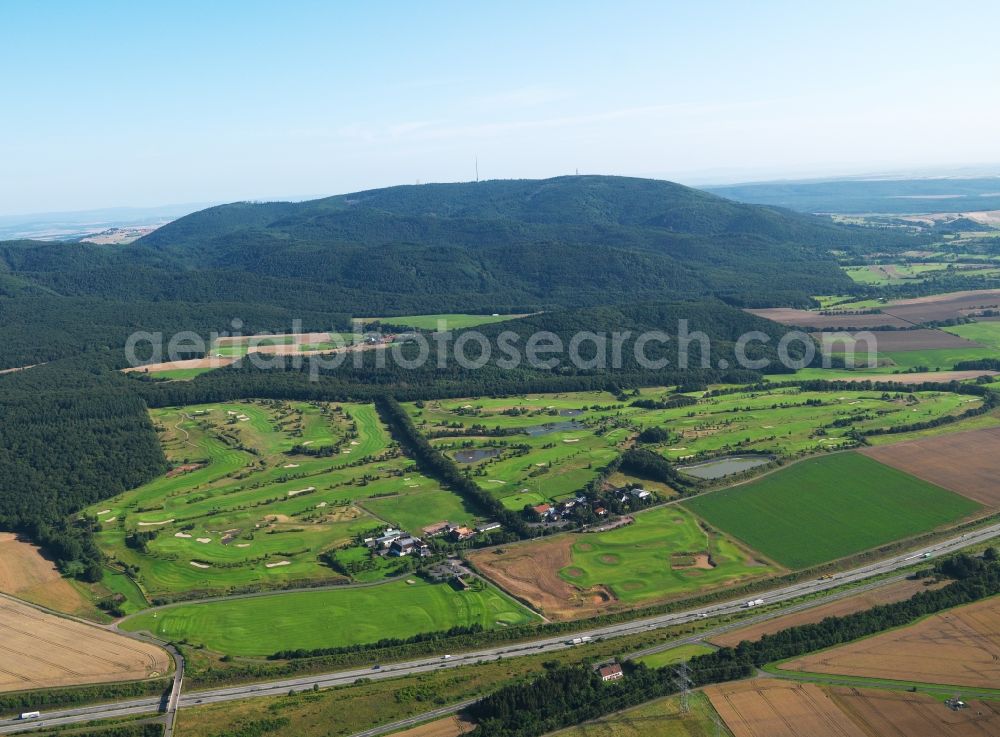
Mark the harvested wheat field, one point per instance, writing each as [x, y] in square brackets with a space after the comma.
[768, 707]
[40, 650]
[27, 574]
[898, 714]
[939, 377]
[967, 463]
[883, 595]
[958, 647]
[530, 572]
[452, 726]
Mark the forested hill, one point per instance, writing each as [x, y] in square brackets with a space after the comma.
[499, 246]
[569, 241]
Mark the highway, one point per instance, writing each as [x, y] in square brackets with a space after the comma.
[551, 644]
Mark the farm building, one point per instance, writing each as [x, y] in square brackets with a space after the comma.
[641, 494]
[611, 672]
[488, 526]
[404, 546]
[461, 533]
[544, 510]
[438, 528]
[388, 538]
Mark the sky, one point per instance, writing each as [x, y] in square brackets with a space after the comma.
[108, 104]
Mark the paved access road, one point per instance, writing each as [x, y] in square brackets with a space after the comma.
[395, 670]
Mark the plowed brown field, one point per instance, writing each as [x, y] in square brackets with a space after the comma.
[40, 650]
[966, 462]
[958, 647]
[901, 340]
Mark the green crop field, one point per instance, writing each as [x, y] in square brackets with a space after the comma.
[184, 374]
[675, 655]
[331, 618]
[663, 553]
[454, 321]
[938, 358]
[826, 508]
[562, 440]
[984, 333]
[246, 505]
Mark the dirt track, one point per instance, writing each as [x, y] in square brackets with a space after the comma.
[966, 462]
[40, 650]
[448, 727]
[958, 647]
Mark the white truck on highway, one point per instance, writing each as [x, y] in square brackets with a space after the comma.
[579, 640]
[30, 715]
[754, 602]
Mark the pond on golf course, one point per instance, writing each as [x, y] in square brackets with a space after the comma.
[719, 467]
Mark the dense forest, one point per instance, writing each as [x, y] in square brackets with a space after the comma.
[504, 246]
[70, 435]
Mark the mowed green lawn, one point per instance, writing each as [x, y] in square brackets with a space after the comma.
[654, 558]
[330, 618]
[826, 508]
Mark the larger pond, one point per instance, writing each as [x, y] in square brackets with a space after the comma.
[475, 454]
[719, 467]
[551, 427]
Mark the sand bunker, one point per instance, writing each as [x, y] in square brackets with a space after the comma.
[152, 524]
[278, 564]
[302, 491]
[204, 540]
[183, 535]
[200, 565]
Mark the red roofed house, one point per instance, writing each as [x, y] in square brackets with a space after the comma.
[611, 672]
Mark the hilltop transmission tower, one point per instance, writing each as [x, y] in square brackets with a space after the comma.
[682, 680]
[477, 169]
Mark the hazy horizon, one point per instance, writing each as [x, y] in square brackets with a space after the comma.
[141, 106]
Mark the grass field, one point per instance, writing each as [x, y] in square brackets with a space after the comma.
[182, 374]
[453, 321]
[941, 358]
[826, 508]
[330, 618]
[985, 333]
[665, 552]
[674, 655]
[246, 505]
